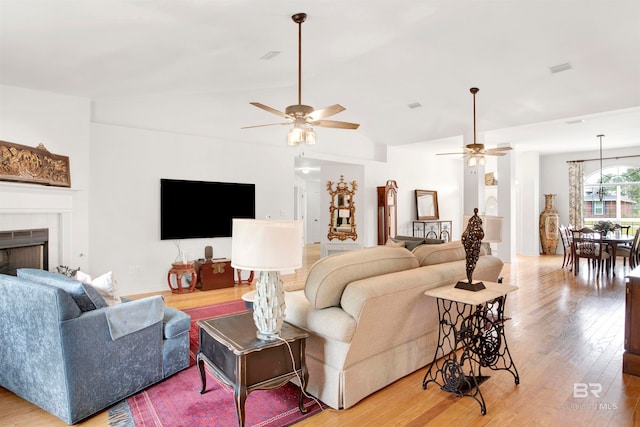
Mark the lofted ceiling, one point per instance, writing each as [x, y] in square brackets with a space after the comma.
[194, 66]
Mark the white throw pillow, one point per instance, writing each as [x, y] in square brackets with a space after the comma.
[105, 285]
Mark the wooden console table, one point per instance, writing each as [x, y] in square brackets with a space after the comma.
[631, 355]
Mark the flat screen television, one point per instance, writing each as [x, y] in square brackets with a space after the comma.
[200, 209]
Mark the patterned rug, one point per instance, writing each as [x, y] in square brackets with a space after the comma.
[177, 402]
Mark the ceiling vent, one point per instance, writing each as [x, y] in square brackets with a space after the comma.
[560, 68]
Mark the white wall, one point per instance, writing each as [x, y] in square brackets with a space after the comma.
[127, 165]
[61, 123]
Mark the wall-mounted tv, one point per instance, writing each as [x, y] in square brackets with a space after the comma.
[198, 209]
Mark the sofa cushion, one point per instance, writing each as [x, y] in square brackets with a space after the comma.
[175, 322]
[394, 243]
[409, 242]
[328, 277]
[105, 285]
[85, 296]
[438, 254]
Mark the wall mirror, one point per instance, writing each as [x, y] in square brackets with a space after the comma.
[427, 204]
[342, 209]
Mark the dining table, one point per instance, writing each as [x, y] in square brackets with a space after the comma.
[613, 242]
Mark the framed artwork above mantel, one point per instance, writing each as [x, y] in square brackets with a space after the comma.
[34, 165]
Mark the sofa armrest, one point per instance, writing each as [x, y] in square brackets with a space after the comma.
[175, 322]
[126, 318]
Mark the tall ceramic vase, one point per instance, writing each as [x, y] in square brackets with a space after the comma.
[549, 222]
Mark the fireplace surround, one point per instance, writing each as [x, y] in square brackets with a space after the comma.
[33, 207]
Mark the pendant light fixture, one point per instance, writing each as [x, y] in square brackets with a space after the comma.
[601, 189]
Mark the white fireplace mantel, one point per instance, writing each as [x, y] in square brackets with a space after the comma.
[31, 198]
[39, 206]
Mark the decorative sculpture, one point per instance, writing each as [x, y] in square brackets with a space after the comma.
[35, 165]
[471, 240]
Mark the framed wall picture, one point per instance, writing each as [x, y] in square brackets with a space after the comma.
[427, 204]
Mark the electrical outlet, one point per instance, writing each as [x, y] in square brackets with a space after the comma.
[135, 269]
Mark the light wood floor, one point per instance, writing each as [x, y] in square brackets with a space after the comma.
[565, 330]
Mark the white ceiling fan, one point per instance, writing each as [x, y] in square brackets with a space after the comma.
[304, 116]
[475, 152]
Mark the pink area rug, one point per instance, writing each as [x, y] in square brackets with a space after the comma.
[177, 401]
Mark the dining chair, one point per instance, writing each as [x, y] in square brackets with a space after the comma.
[565, 235]
[588, 244]
[625, 229]
[634, 251]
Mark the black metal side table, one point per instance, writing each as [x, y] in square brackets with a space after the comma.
[474, 322]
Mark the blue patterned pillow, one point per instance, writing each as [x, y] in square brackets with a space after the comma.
[86, 297]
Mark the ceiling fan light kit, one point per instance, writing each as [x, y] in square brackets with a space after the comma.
[304, 116]
[475, 152]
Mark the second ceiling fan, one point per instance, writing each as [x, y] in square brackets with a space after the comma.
[304, 116]
[475, 152]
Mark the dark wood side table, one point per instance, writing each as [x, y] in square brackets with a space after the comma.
[473, 321]
[230, 348]
[631, 355]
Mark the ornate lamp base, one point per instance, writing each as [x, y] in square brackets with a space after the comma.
[468, 286]
[268, 305]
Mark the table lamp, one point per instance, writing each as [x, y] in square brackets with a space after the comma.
[344, 213]
[268, 247]
[492, 227]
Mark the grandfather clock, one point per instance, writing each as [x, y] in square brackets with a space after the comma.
[387, 213]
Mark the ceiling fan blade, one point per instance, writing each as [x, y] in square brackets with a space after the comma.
[269, 109]
[270, 124]
[499, 149]
[495, 153]
[449, 154]
[334, 124]
[326, 112]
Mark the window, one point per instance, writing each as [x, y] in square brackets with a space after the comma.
[616, 199]
[598, 208]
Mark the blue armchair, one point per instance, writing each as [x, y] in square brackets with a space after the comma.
[63, 349]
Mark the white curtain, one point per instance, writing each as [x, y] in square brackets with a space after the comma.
[576, 193]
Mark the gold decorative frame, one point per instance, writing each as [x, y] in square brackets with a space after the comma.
[33, 165]
[342, 208]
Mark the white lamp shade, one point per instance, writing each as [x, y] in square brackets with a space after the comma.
[491, 225]
[266, 245]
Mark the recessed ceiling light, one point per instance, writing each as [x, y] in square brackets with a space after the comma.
[305, 171]
[575, 122]
[414, 105]
[270, 55]
[561, 67]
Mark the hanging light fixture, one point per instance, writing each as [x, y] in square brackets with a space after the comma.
[301, 132]
[601, 189]
[301, 116]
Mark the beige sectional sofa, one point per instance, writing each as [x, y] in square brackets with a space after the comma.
[368, 318]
